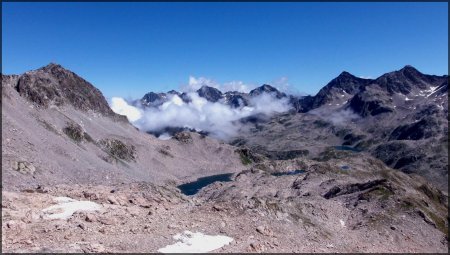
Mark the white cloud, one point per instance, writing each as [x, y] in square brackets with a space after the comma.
[219, 119]
[340, 117]
[282, 84]
[120, 106]
[196, 83]
[237, 86]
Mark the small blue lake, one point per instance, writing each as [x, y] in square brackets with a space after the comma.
[293, 172]
[346, 148]
[345, 168]
[191, 188]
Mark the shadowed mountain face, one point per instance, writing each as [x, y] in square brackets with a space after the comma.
[400, 117]
[236, 99]
[153, 99]
[408, 80]
[343, 86]
[210, 94]
[371, 97]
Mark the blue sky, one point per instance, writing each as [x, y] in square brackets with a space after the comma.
[128, 49]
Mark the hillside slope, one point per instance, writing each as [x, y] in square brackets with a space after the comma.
[58, 128]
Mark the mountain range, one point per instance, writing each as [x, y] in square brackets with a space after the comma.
[363, 158]
[400, 117]
[359, 93]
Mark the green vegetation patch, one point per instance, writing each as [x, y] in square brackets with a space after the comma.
[76, 133]
[118, 149]
[331, 153]
[245, 160]
[165, 152]
[247, 156]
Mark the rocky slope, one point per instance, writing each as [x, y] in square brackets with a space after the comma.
[58, 128]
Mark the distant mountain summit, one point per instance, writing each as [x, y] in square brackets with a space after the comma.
[341, 87]
[266, 89]
[373, 96]
[390, 90]
[408, 80]
[153, 99]
[209, 93]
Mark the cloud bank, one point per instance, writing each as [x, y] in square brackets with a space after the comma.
[218, 119]
[339, 117]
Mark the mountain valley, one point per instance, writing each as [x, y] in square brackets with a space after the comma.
[364, 159]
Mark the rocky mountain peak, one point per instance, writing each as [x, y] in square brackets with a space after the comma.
[152, 97]
[344, 84]
[55, 70]
[406, 80]
[265, 88]
[55, 85]
[173, 92]
[346, 75]
[410, 69]
[52, 65]
[209, 93]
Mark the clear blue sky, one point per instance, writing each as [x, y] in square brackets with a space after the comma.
[128, 49]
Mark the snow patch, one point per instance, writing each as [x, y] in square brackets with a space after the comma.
[164, 136]
[431, 90]
[66, 207]
[342, 223]
[189, 242]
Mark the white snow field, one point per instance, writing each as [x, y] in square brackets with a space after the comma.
[189, 242]
[66, 206]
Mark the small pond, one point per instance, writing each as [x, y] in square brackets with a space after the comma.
[293, 172]
[191, 188]
[345, 168]
[346, 148]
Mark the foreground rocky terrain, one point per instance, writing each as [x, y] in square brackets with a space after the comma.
[375, 208]
[79, 178]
